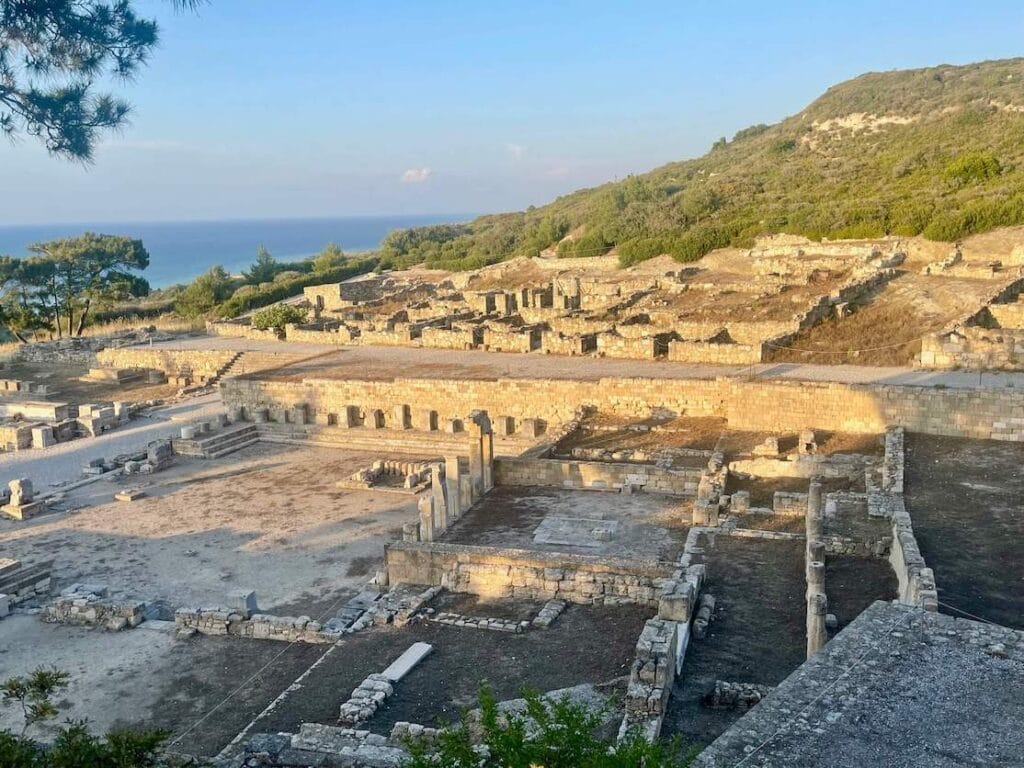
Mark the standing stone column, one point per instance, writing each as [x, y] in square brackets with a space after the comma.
[452, 478]
[438, 497]
[481, 453]
[426, 508]
[817, 635]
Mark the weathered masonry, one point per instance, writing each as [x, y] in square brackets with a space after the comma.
[756, 405]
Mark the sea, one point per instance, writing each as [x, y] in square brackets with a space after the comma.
[179, 251]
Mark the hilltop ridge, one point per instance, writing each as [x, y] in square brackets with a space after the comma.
[934, 152]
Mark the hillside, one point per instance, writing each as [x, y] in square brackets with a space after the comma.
[937, 151]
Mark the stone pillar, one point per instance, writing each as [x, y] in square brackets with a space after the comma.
[349, 417]
[299, 414]
[817, 635]
[465, 492]
[452, 481]
[487, 450]
[437, 492]
[428, 420]
[481, 453]
[401, 413]
[814, 523]
[426, 508]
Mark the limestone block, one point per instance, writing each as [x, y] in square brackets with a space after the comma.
[242, 601]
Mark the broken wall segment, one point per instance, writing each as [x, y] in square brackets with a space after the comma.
[596, 475]
[525, 574]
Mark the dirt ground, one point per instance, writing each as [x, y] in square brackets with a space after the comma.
[966, 500]
[907, 308]
[648, 525]
[266, 518]
[854, 583]
[586, 644]
[757, 635]
[65, 384]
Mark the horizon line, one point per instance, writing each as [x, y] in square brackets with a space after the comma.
[459, 215]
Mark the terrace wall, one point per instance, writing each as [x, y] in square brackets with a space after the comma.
[779, 406]
[525, 574]
[596, 475]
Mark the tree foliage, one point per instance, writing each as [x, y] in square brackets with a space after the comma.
[59, 285]
[331, 257]
[52, 55]
[202, 295]
[74, 746]
[264, 269]
[553, 734]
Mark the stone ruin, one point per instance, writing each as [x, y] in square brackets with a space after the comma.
[390, 475]
[21, 501]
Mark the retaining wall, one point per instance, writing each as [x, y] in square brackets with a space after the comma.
[526, 574]
[778, 406]
[596, 475]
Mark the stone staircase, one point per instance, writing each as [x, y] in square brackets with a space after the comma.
[224, 370]
[214, 445]
[253, 361]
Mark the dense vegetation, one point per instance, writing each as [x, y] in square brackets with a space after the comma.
[553, 734]
[945, 160]
[215, 293]
[57, 287]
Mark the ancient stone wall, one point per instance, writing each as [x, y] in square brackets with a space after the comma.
[194, 363]
[1008, 315]
[714, 353]
[596, 475]
[775, 406]
[525, 574]
[259, 626]
[974, 347]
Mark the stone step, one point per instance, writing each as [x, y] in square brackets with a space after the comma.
[230, 448]
[25, 577]
[226, 435]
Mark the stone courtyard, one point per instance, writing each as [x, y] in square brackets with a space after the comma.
[323, 549]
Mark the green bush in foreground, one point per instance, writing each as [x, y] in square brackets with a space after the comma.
[278, 316]
[74, 746]
[552, 734]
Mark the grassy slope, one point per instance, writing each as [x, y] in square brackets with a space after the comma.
[952, 167]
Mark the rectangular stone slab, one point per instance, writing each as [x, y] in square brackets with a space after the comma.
[403, 665]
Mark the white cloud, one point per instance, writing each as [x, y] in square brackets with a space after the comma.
[416, 175]
[516, 151]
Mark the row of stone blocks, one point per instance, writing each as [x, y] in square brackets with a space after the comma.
[90, 605]
[401, 418]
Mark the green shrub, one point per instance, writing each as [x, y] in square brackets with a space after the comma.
[278, 316]
[553, 734]
[275, 292]
[972, 167]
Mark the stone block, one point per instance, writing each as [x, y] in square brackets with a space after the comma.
[242, 601]
[404, 664]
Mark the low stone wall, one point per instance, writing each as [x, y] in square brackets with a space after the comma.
[596, 475]
[714, 353]
[775, 406]
[525, 574]
[92, 610]
[1009, 316]
[260, 626]
[974, 347]
[916, 581]
[651, 676]
[198, 364]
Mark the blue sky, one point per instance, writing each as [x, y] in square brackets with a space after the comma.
[295, 108]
